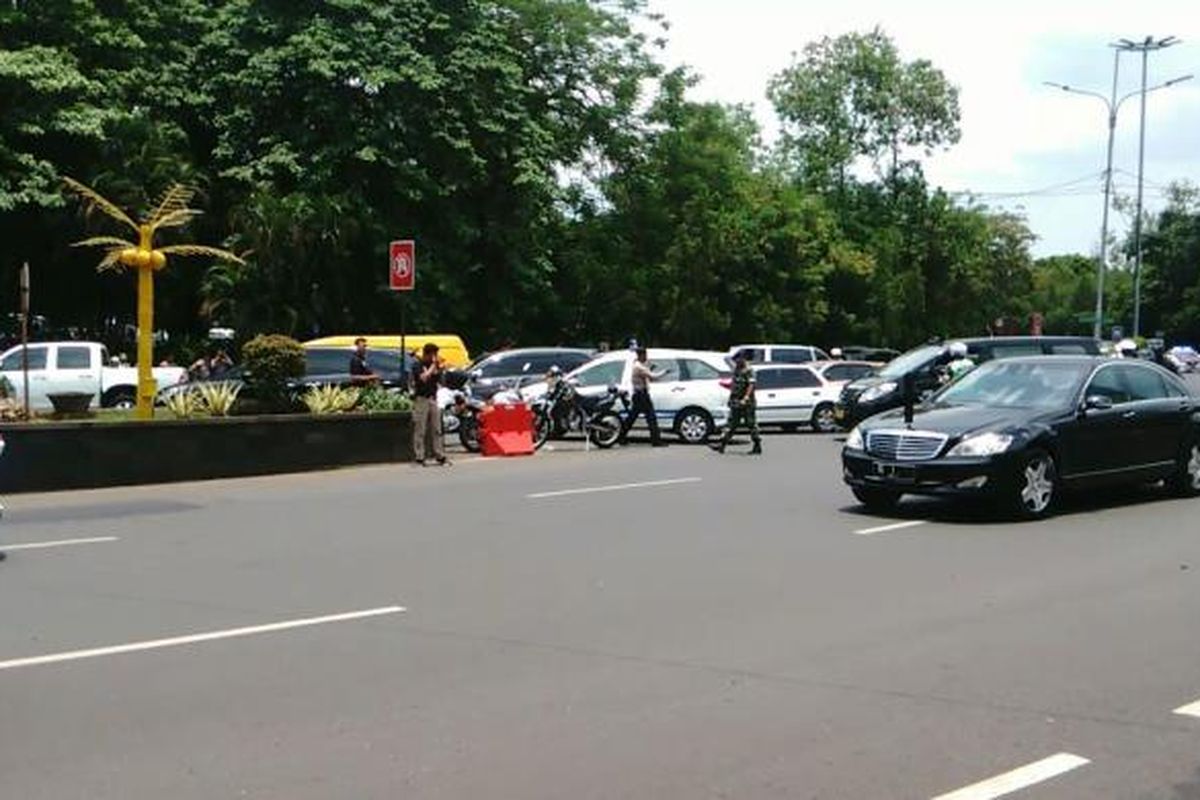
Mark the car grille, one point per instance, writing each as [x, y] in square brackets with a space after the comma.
[905, 445]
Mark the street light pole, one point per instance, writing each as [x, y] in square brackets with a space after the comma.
[1144, 46]
[1114, 106]
[1102, 267]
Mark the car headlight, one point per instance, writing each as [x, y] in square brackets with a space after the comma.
[878, 391]
[983, 444]
[855, 440]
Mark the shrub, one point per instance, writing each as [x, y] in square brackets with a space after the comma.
[185, 403]
[271, 362]
[376, 398]
[218, 398]
[328, 399]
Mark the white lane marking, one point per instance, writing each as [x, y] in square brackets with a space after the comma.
[195, 638]
[614, 488]
[1190, 710]
[893, 527]
[59, 543]
[1020, 778]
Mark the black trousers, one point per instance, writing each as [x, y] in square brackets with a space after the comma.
[642, 405]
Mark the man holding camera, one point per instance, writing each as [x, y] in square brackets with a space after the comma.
[427, 417]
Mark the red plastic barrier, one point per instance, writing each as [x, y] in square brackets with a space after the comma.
[506, 430]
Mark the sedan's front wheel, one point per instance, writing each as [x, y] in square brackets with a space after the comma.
[1186, 480]
[1034, 489]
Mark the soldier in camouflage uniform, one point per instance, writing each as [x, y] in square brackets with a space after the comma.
[742, 407]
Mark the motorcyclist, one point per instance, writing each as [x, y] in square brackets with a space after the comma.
[1127, 348]
[960, 361]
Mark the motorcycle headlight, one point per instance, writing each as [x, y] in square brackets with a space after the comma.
[878, 391]
[855, 440]
[983, 444]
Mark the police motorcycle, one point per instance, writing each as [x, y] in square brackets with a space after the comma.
[563, 410]
[466, 411]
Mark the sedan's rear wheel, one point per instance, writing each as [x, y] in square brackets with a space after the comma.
[1186, 480]
[1034, 489]
[823, 420]
[694, 425]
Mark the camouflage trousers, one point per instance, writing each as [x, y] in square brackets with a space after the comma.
[745, 415]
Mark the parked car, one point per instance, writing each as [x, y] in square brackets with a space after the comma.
[777, 353]
[861, 353]
[1020, 431]
[450, 347]
[62, 367]
[791, 395]
[1185, 357]
[843, 372]
[688, 400]
[515, 368]
[924, 366]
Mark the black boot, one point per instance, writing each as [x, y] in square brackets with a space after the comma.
[757, 449]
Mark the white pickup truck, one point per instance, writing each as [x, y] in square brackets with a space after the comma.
[56, 367]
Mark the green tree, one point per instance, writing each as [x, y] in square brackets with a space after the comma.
[853, 97]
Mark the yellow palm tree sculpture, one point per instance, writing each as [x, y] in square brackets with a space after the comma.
[172, 212]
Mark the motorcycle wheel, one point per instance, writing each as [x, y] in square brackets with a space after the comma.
[542, 428]
[605, 430]
[468, 434]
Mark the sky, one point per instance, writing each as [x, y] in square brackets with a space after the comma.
[1025, 147]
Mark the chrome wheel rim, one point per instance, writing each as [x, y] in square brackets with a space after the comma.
[693, 427]
[1039, 486]
[825, 420]
[1193, 467]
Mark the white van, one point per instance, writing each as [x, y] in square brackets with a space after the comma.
[778, 353]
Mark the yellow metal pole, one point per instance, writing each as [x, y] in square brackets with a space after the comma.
[145, 331]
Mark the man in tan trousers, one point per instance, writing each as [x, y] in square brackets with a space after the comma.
[427, 417]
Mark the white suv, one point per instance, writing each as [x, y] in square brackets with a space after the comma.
[689, 399]
[777, 353]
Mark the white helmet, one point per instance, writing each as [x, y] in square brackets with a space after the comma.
[1127, 346]
[957, 349]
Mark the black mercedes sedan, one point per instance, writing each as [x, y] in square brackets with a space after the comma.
[1021, 431]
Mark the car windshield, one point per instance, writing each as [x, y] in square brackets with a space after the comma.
[913, 359]
[1010, 384]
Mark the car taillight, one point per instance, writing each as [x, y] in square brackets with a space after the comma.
[726, 383]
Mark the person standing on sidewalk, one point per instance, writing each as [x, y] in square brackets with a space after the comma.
[427, 417]
[743, 409]
[643, 375]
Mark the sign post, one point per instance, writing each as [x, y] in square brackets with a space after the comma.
[25, 334]
[402, 277]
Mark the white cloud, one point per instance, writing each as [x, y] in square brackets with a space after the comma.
[1017, 133]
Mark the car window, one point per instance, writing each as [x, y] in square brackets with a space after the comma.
[911, 361]
[605, 374]
[328, 362]
[1065, 349]
[755, 355]
[570, 361]
[847, 372]
[696, 370]
[37, 360]
[768, 379]
[74, 358]
[1015, 350]
[791, 355]
[798, 379]
[1108, 383]
[1016, 385]
[497, 366]
[1144, 383]
[668, 366]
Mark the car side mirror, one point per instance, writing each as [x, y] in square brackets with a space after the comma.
[1097, 402]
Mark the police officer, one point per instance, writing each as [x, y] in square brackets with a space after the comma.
[960, 361]
[742, 406]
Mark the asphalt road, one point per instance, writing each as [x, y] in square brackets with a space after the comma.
[725, 631]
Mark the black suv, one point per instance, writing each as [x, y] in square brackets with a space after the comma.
[924, 365]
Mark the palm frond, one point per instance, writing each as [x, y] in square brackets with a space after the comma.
[200, 250]
[175, 219]
[104, 241]
[111, 260]
[94, 199]
[176, 198]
